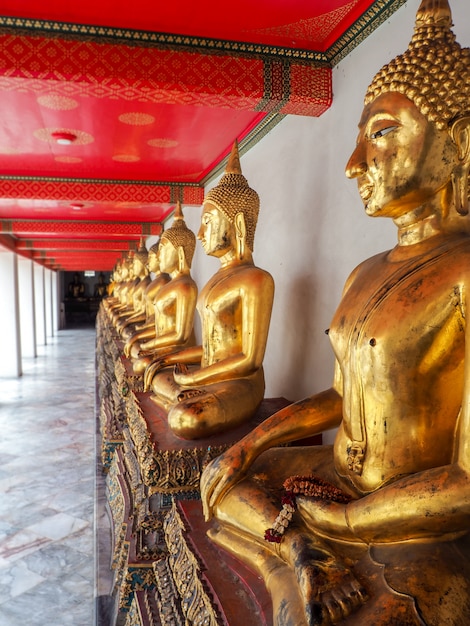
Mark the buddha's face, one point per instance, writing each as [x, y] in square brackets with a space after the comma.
[401, 161]
[153, 262]
[216, 231]
[167, 256]
[137, 267]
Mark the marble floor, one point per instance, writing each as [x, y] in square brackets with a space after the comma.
[47, 486]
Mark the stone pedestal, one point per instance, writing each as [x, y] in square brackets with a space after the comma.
[166, 571]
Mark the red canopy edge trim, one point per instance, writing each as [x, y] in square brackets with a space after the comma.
[360, 29]
[67, 190]
[26, 228]
[149, 39]
[154, 75]
[102, 245]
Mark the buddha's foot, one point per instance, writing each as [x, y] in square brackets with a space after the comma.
[188, 394]
[329, 590]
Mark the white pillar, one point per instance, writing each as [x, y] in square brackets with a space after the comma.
[27, 307]
[40, 305]
[10, 345]
[48, 302]
[55, 301]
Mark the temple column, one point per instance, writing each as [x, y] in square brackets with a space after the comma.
[40, 305]
[55, 301]
[10, 346]
[27, 307]
[48, 302]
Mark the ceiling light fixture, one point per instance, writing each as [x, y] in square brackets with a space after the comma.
[63, 138]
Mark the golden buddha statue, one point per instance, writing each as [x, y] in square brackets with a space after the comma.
[220, 384]
[119, 303]
[76, 287]
[114, 286]
[146, 330]
[142, 281]
[393, 492]
[101, 287]
[175, 301]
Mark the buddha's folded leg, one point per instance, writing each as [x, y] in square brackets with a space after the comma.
[327, 587]
[203, 411]
[435, 574]
[165, 389]
[140, 364]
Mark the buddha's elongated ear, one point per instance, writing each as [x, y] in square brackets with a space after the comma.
[240, 232]
[182, 265]
[460, 133]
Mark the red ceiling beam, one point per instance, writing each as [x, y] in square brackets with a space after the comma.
[75, 256]
[78, 261]
[70, 190]
[160, 75]
[78, 229]
[72, 244]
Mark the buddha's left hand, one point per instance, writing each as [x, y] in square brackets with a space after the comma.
[150, 372]
[182, 375]
[326, 517]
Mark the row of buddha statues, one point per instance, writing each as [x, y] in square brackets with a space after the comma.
[393, 491]
[215, 386]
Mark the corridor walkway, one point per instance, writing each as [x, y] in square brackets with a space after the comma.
[47, 478]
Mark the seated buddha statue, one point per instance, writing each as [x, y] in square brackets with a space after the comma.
[101, 287]
[142, 281]
[175, 301]
[128, 292]
[393, 492]
[114, 286]
[118, 303]
[220, 384]
[76, 287]
[145, 327]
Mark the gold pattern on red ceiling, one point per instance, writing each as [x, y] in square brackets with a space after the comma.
[57, 103]
[316, 29]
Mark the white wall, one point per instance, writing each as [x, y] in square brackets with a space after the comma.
[312, 229]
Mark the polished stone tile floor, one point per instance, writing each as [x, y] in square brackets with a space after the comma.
[47, 485]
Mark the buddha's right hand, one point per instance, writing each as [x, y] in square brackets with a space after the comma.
[128, 347]
[221, 475]
[150, 372]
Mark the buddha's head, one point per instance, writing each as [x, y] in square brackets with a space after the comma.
[236, 202]
[116, 275]
[140, 259]
[130, 265]
[124, 268]
[180, 237]
[416, 122]
[153, 262]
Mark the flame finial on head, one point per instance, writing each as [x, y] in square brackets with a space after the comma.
[434, 12]
[142, 252]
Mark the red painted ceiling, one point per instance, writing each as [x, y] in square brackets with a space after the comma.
[152, 96]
